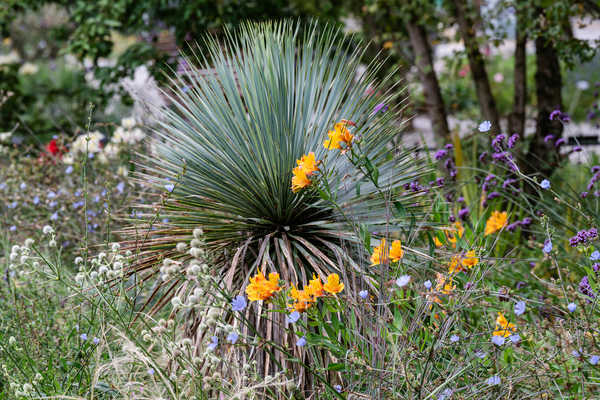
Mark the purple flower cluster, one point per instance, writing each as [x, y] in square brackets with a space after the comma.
[500, 155]
[586, 288]
[559, 116]
[524, 222]
[444, 154]
[583, 237]
[512, 140]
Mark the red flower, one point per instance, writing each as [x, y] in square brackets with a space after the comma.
[53, 148]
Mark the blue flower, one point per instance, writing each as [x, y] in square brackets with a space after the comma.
[23, 186]
[545, 184]
[301, 342]
[293, 317]
[454, 338]
[232, 337]
[498, 340]
[519, 307]
[446, 394]
[96, 340]
[547, 246]
[12, 228]
[516, 338]
[403, 280]
[121, 187]
[214, 342]
[594, 360]
[338, 388]
[427, 284]
[595, 255]
[54, 216]
[69, 170]
[493, 380]
[485, 126]
[36, 200]
[169, 187]
[150, 371]
[363, 294]
[83, 336]
[238, 303]
[51, 194]
[572, 307]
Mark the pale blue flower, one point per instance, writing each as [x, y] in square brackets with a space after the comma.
[480, 354]
[150, 371]
[363, 294]
[23, 186]
[338, 388]
[301, 342]
[54, 216]
[485, 126]
[214, 342]
[36, 200]
[69, 170]
[427, 284]
[545, 184]
[51, 194]
[403, 280]
[547, 246]
[12, 228]
[515, 338]
[83, 336]
[169, 187]
[594, 360]
[493, 380]
[232, 337]
[96, 340]
[239, 303]
[595, 255]
[293, 317]
[498, 340]
[121, 187]
[572, 307]
[446, 394]
[454, 338]
[519, 307]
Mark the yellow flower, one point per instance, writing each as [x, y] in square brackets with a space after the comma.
[503, 327]
[396, 253]
[333, 284]
[299, 180]
[443, 286]
[495, 222]
[380, 254]
[315, 288]
[451, 234]
[339, 134]
[388, 45]
[262, 289]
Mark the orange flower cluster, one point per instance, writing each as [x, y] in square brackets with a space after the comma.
[503, 327]
[495, 222]
[381, 254]
[452, 234]
[307, 165]
[305, 298]
[340, 134]
[261, 288]
[462, 263]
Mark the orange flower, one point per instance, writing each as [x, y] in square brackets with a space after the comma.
[380, 254]
[307, 166]
[308, 163]
[443, 286]
[262, 289]
[396, 252]
[503, 327]
[303, 299]
[495, 222]
[462, 263]
[451, 234]
[333, 284]
[300, 179]
[339, 134]
[315, 288]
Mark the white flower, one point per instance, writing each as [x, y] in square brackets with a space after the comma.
[403, 280]
[10, 58]
[128, 123]
[5, 136]
[47, 230]
[582, 85]
[28, 69]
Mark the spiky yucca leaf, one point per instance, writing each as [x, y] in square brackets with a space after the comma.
[229, 142]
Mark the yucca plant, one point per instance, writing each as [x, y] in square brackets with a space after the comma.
[227, 143]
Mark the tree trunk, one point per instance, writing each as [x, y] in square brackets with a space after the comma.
[487, 104]
[516, 122]
[548, 84]
[431, 87]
